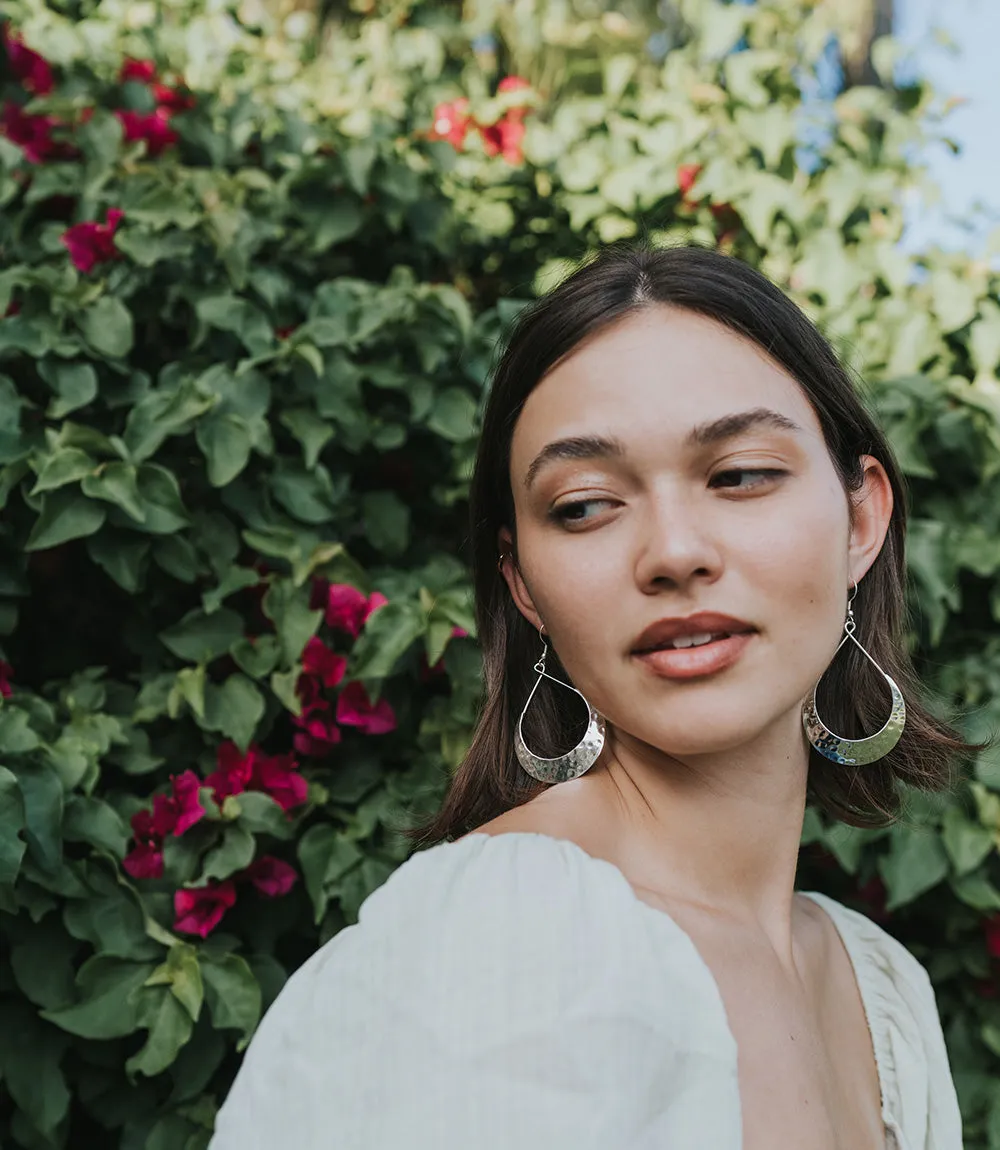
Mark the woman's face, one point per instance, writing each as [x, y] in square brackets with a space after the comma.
[666, 469]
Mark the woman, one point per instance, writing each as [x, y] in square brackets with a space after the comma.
[681, 508]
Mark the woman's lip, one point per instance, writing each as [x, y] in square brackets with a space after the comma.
[693, 662]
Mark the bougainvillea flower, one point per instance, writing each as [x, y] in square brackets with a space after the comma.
[451, 122]
[199, 910]
[152, 127]
[686, 176]
[278, 776]
[355, 709]
[271, 876]
[144, 827]
[34, 71]
[513, 84]
[233, 770]
[991, 929]
[189, 808]
[346, 608]
[13, 308]
[6, 671]
[33, 134]
[310, 694]
[164, 815]
[317, 735]
[504, 138]
[172, 100]
[91, 243]
[322, 663]
[140, 71]
[145, 860]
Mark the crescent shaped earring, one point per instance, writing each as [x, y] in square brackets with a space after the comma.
[855, 752]
[581, 758]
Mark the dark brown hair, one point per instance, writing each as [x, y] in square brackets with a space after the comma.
[853, 697]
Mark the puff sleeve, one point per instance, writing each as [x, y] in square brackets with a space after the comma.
[496, 993]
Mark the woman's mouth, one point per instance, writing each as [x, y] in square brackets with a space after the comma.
[693, 655]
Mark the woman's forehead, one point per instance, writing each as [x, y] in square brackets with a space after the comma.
[659, 372]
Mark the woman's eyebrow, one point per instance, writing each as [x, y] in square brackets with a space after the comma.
[702, 435]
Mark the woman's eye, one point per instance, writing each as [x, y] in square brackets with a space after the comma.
[746, 478]
[576, 512]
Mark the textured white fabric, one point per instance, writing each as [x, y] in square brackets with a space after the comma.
[511, 992]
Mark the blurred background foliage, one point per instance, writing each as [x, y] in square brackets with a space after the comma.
[254, 262]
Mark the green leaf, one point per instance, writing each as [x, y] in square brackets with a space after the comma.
[182, 974]
[386, 522]
[388, 634]
[325, 856]
[233, 995]
[161, 499]
[65, 515]
[453, 416]
[239, 316]
[199, 637]
[235, 708]
[44, 964]
[75, 385]
[30, 1057]
[65, 465]
[235, 579]
[916, 862]
[116, 482]
[312, 432]
[111, 918]
[106, 1007]
[169, 1027]
[42, 793]
[967, 843]
[261, 815]
[12, 821]
[288, 608]
[123, 559]
[257, 658]
[91, 820]
[16, 733]
[234, 853]
[107, 327]
[160, 415]
[225, 442]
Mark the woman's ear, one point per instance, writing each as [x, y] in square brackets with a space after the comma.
[871, 515]
[515, 580]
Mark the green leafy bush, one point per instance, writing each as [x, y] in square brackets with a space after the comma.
[252, 278]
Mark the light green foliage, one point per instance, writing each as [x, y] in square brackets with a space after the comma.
[278, 380]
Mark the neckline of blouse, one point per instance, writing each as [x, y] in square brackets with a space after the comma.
[857, 957]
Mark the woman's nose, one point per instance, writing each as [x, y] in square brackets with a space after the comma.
[675, 545]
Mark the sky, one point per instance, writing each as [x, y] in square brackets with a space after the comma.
[971, 70]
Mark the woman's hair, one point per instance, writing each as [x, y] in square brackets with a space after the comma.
[853, 697]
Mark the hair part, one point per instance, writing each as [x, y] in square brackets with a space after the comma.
[853, 697]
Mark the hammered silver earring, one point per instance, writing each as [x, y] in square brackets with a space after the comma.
[581, 758]
[855, 752]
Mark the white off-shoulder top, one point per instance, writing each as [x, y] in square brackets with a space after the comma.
[512, 992]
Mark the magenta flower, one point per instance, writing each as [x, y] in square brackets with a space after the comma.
[170, 100]
[346, 608]
[271, 876]
[233, 770]
[278, 776]
[145, 860]
[34, 71]
[355, 709]
[6, 671]
[140, 71]
[164, 816]
[317, 735]
[199, 910]
[153, 127]
[92, 243]
[319, 661]
[189, 808]
[33, 134]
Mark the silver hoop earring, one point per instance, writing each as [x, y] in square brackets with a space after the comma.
[573, 764]
[855, 752]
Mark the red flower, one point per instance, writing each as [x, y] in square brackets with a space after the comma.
[686, 176]
[13, 308]
[172, 100]
[346, 608]
[278, 776]
[145, 860]
[92, 243]
[189, 808]
[991, 929]
[140, 71]
[6, 671]
[233, 770]
[317, 734]
[271, 876]
[164, 815]
[451, 122]
[32, 70]
[512, 84]
[152, 127]
[33, 134]
[355, 709]
[319, 661]
[505, 137]
[199, 910]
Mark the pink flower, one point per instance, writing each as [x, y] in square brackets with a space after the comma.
[355, 709]
[139, 71]
[271, 876]
[164, 815]
[91, 243]
[172, 100]
[505, 137]
[33, 134]
[319, 661]
[189, 808]
[277, 776]
[145, 860]
[34, 71]
[6, 671]
[199, 910]
[346, 608]
[513, 84]
[451, 122]
[152, 127]
[318, 734]
[233, 770]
